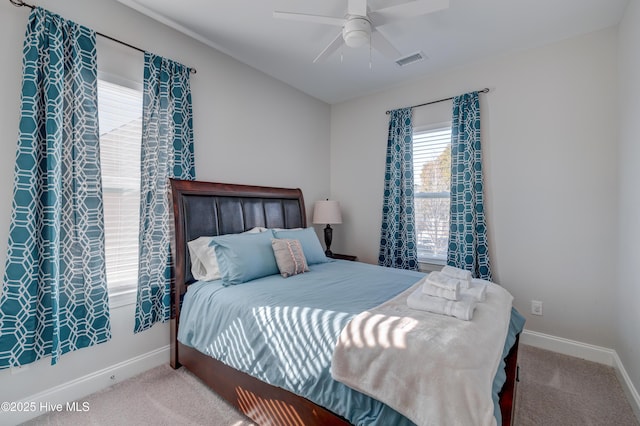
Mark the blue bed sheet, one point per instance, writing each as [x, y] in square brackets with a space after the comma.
[283, 331]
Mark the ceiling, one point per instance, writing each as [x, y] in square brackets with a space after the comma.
[465, 32]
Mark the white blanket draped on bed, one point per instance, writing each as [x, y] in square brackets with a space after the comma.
[432, 368]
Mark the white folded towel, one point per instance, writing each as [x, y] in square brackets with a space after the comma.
[443, 281]
[439, 279]
[462, 309]
[477, 290]
[460, 274]
[446, 293]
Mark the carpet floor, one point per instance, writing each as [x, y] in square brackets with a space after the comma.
[554, 390]
[160, 396]
[560, 390]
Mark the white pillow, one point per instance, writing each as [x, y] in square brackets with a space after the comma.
[255, 230]
[204, 264]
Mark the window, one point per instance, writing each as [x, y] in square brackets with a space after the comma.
[120, 115]
[432, 179]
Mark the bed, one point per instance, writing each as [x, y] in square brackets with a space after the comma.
[208, 209]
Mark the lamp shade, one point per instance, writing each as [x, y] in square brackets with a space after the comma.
[327, 212]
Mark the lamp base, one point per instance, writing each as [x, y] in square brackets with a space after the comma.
[328, 236]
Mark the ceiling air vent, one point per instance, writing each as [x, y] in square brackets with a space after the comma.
[411, 59]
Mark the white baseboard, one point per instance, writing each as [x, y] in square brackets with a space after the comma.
[627, 386]
[569, 347]
[86, 385]
[590, 353]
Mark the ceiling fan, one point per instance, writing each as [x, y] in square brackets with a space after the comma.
[360, 25]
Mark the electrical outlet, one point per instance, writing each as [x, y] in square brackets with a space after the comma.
[536, 307]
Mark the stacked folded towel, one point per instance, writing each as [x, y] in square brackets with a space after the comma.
[460, 274]
[438, 285]
[450, 292]
[476, 290]
[462, 309]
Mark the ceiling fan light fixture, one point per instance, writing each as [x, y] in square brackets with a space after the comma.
[356, 32]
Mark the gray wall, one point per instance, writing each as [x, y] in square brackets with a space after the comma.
[628, 297]
[549, 129]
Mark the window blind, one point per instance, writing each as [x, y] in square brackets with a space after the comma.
[120, 115]
[432, 179]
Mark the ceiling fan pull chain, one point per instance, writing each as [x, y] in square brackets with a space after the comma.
[370, 54]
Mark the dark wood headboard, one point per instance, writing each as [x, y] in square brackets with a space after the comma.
[209, 209]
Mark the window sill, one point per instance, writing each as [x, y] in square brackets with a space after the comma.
[120, 298]
[431, 265]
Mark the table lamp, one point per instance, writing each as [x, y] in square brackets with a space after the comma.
[327, 212]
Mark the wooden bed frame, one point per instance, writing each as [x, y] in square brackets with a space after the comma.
[207, 209]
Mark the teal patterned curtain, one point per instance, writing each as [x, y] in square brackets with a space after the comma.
[167, 152]
[54, 298]
[468, 248]
[398, 234]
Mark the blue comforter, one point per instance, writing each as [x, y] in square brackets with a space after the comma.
[283, 331]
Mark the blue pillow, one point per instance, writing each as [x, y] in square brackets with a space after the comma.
[311, 247]
[244, 257]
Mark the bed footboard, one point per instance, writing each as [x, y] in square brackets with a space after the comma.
[261, 402]
[270, 405]
[508, 392]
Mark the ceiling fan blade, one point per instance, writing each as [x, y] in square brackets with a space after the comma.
[332, 47]
[318, 19]
[406, 10]
[357, 7]
[382, 45]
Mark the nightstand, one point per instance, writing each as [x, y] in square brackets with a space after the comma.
[343, 256]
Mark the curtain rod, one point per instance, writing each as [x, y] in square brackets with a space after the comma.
[485, 90]
[20, 3]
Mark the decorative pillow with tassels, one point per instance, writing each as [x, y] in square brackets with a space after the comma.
[289, 257]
